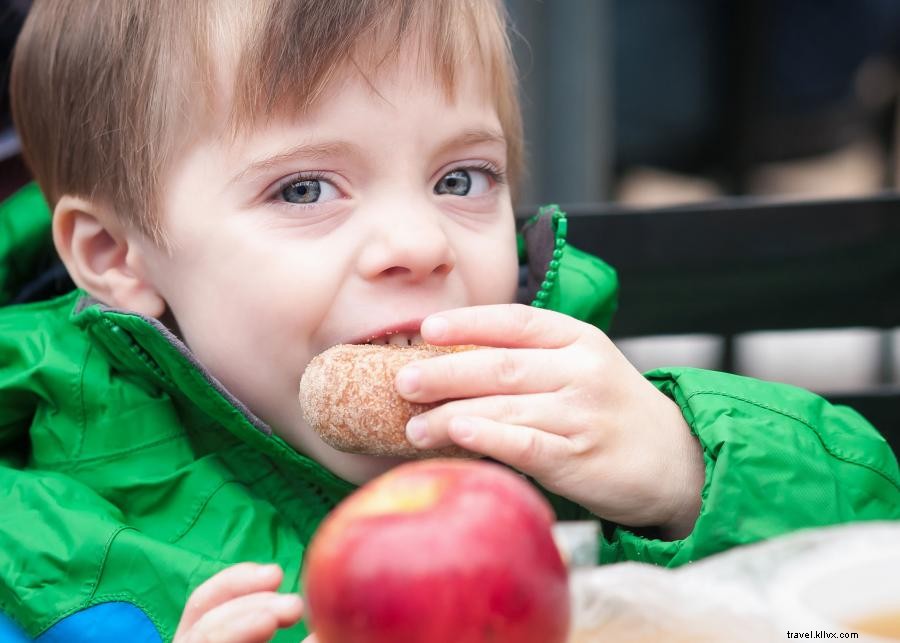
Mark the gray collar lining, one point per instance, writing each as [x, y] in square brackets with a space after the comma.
[186, 352]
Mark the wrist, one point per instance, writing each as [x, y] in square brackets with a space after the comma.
[689, 476]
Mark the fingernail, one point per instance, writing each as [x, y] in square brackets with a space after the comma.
[288, 602]
[416, 430]
[462, 429]
[434, 328]
[408, 380]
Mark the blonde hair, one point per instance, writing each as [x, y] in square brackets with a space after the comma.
[106, 94]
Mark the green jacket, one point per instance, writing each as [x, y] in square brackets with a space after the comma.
[130, 475]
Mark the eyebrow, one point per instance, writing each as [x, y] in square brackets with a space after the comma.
[313, 151]
[310, 151]
[471, 137]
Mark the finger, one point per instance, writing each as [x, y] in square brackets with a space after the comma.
[310, 639]
[430, 430]
[503, 325]
[231, 582]
[498, 371]
[247, 619]
[525, 448]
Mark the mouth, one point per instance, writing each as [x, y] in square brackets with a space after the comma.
[404, 334]
[397, 339]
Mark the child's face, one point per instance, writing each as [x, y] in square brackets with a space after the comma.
[364, 216]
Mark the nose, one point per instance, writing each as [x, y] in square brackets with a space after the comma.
[406, 242]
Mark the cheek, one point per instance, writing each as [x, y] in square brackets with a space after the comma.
[492, 268]
[250, 308]
[255, 339]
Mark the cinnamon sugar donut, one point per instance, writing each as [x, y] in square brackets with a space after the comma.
[348, 397]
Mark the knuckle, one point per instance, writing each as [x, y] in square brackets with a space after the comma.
[508, 372]
[521, 318]
[509, 411]
[198, 600]
[531, 448]
[589, 365]
[582, 444]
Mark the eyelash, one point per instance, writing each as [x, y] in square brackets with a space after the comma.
[496, 175]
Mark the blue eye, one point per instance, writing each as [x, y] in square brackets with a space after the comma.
[305, 191]
[457, 183]
[302, 192]
[470, 182]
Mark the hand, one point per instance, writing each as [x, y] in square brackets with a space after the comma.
[239, 605]
[556, 400]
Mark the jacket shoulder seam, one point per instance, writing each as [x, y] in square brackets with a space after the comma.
[102, 566]
[96, 599]
[43, 626]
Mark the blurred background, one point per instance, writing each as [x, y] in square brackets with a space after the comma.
[660, 101]
[649, 103]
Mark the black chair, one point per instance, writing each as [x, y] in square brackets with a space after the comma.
[742, 265]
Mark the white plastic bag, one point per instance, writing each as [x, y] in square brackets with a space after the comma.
[818, 581]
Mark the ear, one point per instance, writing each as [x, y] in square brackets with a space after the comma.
[103, 258]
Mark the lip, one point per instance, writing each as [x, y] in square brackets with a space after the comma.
[410, 326]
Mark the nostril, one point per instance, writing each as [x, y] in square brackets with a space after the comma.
[402, 271]
[395, 271]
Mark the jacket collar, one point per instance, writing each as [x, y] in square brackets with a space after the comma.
[145, 348]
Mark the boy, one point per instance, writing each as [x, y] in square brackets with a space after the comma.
[236, 190]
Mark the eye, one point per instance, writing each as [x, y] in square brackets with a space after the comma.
[307, 190]
[464, 182]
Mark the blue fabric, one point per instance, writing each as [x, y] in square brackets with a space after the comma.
[105, 623]
[10, 632]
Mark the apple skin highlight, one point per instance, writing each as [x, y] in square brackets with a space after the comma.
[438, 551]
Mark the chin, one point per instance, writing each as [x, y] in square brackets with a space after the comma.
[352, 467]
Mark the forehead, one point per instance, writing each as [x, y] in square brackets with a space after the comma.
[398, 114]
[261, 73]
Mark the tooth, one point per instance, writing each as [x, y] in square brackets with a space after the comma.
[398, 339]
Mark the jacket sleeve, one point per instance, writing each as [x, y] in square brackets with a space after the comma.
[778, 458]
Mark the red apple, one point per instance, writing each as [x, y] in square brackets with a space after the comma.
[438, 551]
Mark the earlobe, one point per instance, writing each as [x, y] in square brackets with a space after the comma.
[101, 258]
